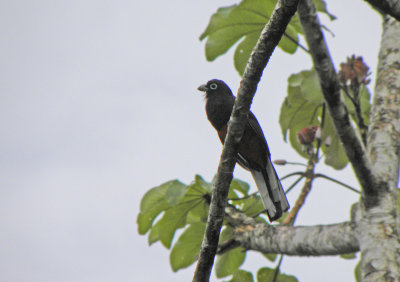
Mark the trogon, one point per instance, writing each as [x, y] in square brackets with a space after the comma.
[254, 154]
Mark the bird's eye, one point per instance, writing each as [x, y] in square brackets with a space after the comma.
[213, 86]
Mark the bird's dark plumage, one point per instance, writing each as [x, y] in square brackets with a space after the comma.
[253, 153]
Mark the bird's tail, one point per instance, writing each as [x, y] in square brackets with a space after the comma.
[271, 191]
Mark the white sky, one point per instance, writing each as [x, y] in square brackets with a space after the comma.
[99, 104]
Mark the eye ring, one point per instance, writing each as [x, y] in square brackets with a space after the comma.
[213, 86]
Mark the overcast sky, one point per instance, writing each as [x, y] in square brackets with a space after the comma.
[99, 104]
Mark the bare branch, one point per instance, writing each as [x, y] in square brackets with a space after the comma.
[269, 39]
[390, 7]
[318, 240]
[329, 82]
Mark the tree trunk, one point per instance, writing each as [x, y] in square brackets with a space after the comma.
[379, 235]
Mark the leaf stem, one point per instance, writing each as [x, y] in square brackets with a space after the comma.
[337, 182]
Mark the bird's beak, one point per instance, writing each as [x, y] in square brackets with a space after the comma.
[203, 88]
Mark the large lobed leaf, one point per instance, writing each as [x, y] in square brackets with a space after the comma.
[157, 200]
[267, 274]
[229, 262]
[302, 107]
[242, 276]
[173, 205]
[186, 249]
[245, 20]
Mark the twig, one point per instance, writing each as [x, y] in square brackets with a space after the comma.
[336, 181]
[296, 42]
[294, 184]
[309, 174]
[292, 174]
[277, 269]
[360, 120]
[295, 163]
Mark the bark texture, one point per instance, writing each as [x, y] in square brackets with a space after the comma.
[379, 230]
[318, 240]
[390, 7]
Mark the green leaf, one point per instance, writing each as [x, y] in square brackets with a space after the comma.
[270, 257]
[335, 155]
[289, 41]
[232, 194]
[321, 7]
[155, 201]
[250, 206]
[348, 256]
[303, 107]
[243, 51]
[186, 249]
[154, 234]
[175, 217]
[311, 88]
[227, 263]
[267, 274]
[240, 186]
[246, 20]
[365, 99]
[199, 213]
[242, 276]
[226, 234]
[206, 186]
[297, 113]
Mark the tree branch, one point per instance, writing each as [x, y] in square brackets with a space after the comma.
[269, 39]
[329, 82]
[390, 7]
[318, 240]
[309, 174]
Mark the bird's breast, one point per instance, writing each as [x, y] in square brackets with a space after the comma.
[218, 113]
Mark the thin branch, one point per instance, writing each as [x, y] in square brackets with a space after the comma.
[336, 181]
[390, 7]
[352, 144]
[309, 174]
[294, 184]
[227, 246]
[292, 174]
[296, 42]
[360, 120]
[269, 39]
[277, 269]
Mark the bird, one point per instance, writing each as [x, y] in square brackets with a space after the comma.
[254, 154]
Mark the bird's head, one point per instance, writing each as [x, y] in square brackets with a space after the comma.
[215, 87]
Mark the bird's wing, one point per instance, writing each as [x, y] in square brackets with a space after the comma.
[252, 121]
[240, 159]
